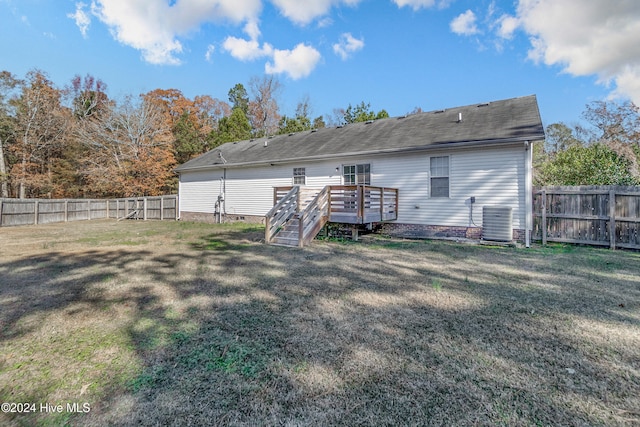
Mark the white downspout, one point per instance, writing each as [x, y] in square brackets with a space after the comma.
[178, 216]
[528, 192]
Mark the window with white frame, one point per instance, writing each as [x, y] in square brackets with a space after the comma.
[357, 174]
[439, 176]
[299, 176]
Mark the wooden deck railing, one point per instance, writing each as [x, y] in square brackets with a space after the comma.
[285, 208]
[314, 217]
[361, 204]
[347, 204]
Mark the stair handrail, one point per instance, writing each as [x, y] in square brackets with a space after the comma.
[280, 213]
[314, 217]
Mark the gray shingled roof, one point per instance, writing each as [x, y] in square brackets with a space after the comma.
[498, 122]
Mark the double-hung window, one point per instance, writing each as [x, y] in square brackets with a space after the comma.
[439, 176]
[299, 176]
[357, 174]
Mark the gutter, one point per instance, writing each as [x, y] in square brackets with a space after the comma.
[437, 146]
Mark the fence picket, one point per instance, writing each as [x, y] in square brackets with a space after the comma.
[594, 215]
[14, 212]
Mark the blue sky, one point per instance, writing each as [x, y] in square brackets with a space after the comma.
[395, 54]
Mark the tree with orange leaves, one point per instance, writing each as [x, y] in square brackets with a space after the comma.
[130, 150]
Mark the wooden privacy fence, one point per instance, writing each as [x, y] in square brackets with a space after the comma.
[44, 211]
[592, 215]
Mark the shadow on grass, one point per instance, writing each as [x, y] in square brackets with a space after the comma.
[229, 331]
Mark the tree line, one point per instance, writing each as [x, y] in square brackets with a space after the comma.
[76, 142]
[604, 151]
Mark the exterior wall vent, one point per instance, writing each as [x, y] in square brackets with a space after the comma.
[497, 223]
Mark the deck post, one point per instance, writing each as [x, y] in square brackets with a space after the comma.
[396, 207]
[267, 227]
[300, 228]
[360, 196]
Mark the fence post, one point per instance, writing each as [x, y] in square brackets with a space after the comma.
[161, 208]
[144, 209]
[89, 210]
[35, 213]
[612, 219]
[543, 227]
[66, 210]
[108, 201]
[0, 212]
[177, 198]
[300, 228]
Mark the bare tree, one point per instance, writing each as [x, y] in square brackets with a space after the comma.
[263, 107]
[129, 149]
[42, 124]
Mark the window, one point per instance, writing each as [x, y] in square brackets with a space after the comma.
[357, 174]
[299, 176]
[440, 176]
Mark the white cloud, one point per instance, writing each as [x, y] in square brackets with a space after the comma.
[246, 50]
[507, 25]
[464, 24]
[598, 37]
[153, 26]
[303, 12]
[347, 45]
[210, 50]
[422, 4]
[297, 63]
[81, 18]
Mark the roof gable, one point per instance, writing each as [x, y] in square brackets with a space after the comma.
[497, 122]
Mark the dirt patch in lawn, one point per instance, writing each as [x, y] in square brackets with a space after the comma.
[180, 323]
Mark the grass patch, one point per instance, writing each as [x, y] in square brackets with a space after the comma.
[154, 322]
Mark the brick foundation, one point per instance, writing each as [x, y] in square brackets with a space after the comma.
[421, 231]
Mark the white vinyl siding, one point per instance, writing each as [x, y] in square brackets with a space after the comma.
[249, 191]
[494, 176]
[199, 191]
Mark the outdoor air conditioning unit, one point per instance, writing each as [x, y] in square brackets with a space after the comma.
[497, 223]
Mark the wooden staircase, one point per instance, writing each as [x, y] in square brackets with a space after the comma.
[300, 213]
[287, 226]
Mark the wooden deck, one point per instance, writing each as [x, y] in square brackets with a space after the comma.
[351, 204]
[300, 212]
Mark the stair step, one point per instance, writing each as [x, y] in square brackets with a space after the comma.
[285, 235]
[285, 241]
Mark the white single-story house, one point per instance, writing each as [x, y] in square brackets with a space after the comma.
[448, 167]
